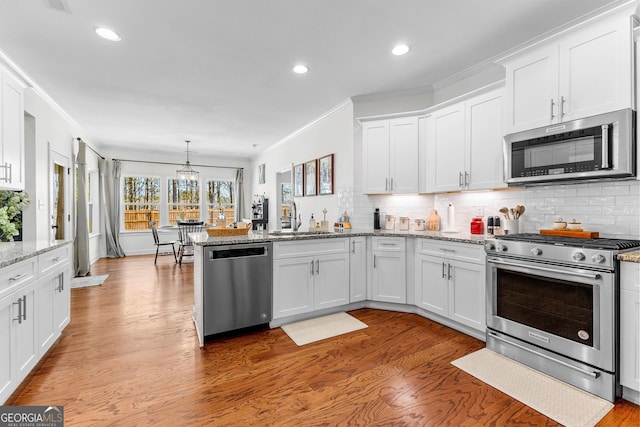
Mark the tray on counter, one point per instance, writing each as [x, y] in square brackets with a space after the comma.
[224, 231]
[572, 233]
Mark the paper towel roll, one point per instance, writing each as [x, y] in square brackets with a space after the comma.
[451, 218]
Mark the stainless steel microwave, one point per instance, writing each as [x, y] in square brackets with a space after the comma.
[595, 147]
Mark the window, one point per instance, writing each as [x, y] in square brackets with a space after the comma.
[183, 200]
[141, 202]
[220, 202]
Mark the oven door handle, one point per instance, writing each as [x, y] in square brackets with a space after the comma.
[547, 269]
[584, 371]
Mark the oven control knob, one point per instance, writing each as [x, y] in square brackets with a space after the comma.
[536, 251]
[578, 256]
[501, 248]
[597, 258]
[489, 246]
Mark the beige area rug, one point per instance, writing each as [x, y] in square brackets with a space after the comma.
[83, 282]
[321, 328]
[553, 398]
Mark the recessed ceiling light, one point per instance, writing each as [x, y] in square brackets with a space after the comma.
[300, 69]
[400, 49]
[108, 34]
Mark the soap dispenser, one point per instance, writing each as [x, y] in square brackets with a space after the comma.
[312, 223]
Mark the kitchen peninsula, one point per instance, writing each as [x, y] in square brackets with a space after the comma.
[315, 274]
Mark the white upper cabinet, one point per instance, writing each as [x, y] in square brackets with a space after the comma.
[12, 133]
[581, 74]
[464, 144]
[390, 156]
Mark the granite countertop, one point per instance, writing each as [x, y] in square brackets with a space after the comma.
[12, 252]
[630, 256]
[203, 239]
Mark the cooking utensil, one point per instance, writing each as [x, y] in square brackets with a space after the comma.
[505, 212]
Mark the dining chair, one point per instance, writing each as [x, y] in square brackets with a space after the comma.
[156, 239]
[184, 229]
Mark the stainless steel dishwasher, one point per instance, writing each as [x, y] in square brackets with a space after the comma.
[237, 286]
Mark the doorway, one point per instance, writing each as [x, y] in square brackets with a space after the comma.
[60, 215]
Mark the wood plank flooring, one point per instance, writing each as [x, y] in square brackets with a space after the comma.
[130, 357]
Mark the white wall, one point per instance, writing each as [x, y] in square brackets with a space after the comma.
[333, 133]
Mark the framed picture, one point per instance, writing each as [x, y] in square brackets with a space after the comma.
[311, 178]
[261, 174]
[298, 180]
[325, 180]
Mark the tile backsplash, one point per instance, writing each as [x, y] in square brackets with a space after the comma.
[611, 208]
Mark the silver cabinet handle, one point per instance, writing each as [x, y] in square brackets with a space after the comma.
[317, 266]
[19, 304]
[374, 261]
[353, 247]
[8, 175]
[56, 259]
[24, 310]
[460, 179]
[60, 286]
[449, 275]
[391, 185]
[605, 146]
[562, 106]
[386, 184]
[18, 277]
[312, 271]
[444, 276]
[552, 105]
[466, 179]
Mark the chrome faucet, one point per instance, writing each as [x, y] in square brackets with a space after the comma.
[296, 219]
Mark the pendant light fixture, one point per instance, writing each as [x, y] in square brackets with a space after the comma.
[186, 171]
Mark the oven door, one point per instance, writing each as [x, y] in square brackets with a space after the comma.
[566, 310]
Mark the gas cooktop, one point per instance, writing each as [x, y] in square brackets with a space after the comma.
[600, 243]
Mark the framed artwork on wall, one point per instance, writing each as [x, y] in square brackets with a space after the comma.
[310, 178]
[325, 180]
[298, 180]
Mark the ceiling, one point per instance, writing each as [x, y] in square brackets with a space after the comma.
[219, 72]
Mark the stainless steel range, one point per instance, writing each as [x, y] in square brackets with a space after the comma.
[552, 304]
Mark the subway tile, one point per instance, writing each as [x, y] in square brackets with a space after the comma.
[603, 200]
[589, 191]
[615, 190]
[601, 219]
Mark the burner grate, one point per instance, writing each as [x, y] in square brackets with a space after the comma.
[599, 243]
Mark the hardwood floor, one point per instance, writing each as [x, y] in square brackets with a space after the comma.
[130, 357]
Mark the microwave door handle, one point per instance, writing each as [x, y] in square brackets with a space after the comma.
[549, 270]
[605, 147]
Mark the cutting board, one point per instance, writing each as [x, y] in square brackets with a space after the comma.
[572, 233]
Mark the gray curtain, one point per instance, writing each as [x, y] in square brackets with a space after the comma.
[82, 258]
[110, 207]
[239, 195]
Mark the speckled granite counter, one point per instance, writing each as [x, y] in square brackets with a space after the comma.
[12, 252]
[203, 239]
[630, 257]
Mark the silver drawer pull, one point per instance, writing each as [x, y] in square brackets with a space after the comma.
[18, 277]
[56, 259]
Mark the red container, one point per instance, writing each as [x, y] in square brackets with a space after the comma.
[477, 225]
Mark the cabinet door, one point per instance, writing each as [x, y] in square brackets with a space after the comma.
[7, 344]
[532, 89]
[431, 281]
[389, 277]
[630, 339]
[485, 164]
[375, 150]
[446, 138]
[62, 300]
[358, 269]
[26, 351]
[331, 285]
[403, 155]
[292, 286]
[467, 294]
[47, 331]
[595, 70]
[12, 134]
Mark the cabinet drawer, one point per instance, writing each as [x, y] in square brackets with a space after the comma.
[630, 276]
[452, 250]
[395, 244]
[17, 275]
[50, 260]
[313, 247]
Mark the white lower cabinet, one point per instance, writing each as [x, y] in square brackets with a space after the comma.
[630, 325]
[34, 308]
[357, 269]
[309, 275]
[450, 281]
[388, 273]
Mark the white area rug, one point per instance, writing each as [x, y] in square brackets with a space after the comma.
[553, 398]
[82, 282]
[321, 328]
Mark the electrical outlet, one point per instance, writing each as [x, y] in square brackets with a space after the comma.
[478, 211]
